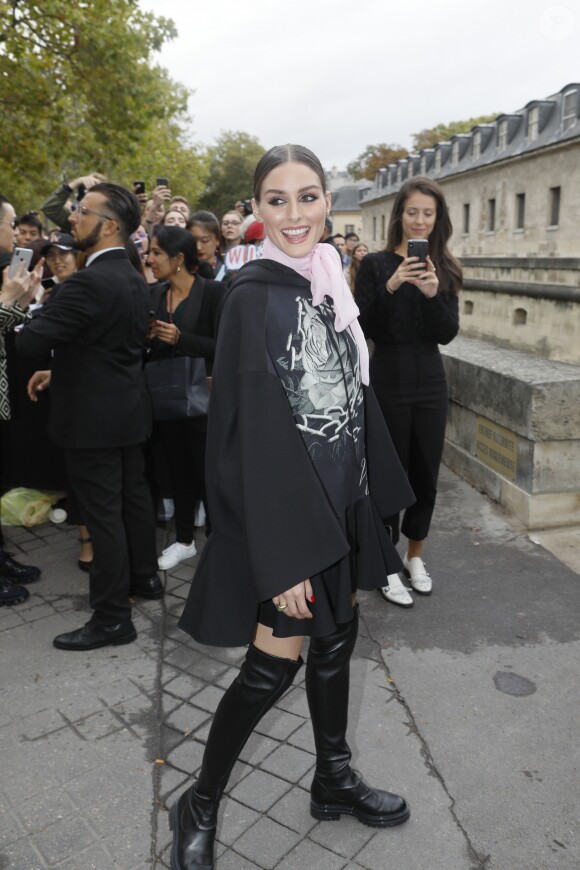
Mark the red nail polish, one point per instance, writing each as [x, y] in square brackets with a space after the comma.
[313, 599]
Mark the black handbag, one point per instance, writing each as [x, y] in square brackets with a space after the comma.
[178, 385]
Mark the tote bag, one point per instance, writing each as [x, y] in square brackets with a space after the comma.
[178, 387]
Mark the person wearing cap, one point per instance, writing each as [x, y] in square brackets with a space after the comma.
[61, 256]
[62, 260]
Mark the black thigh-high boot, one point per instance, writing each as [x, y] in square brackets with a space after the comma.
[336, 788]
[262, 680]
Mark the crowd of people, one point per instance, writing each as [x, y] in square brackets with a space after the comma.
[231, 367]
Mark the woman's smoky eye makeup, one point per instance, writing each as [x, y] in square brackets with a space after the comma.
[306, 197]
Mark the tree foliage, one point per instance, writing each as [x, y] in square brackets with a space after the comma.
[443, 132]
[231, 164]
[373, 158]
[80, 92]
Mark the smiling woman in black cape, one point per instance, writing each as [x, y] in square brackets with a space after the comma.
[299, 480]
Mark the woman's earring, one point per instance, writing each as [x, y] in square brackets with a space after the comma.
[178, 269]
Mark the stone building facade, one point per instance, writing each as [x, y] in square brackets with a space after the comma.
[513, 190]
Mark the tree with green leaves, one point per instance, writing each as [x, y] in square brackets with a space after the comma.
[231, 164]
[81, 92]
[442, 132]
[373, 158]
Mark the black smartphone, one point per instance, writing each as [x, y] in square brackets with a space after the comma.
[138, 187]
[162, 182]
[418, 248]
[152, 316]
[81, 190]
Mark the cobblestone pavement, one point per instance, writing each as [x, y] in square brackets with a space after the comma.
[95, 746]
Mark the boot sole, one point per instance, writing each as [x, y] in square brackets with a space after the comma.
[332, 813]
[22, 581]
[14, 601]
[174, 826]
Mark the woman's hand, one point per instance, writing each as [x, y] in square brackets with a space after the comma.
[412, 271]
[428, 282]
[295, 601]
[38, 382]
[22, 287]
[167, 332]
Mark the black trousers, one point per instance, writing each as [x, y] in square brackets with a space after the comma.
[115, 504]
[410, 384]
[184, 447]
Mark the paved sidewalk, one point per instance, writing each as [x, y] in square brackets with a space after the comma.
[467, 704]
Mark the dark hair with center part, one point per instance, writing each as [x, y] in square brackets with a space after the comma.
[449, 270]
[280, 154]
[123, 206]
[174, 241]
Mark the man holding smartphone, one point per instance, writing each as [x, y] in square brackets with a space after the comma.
[100, 411]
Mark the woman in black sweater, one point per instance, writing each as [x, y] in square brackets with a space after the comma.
[186, 308]
[408, 308]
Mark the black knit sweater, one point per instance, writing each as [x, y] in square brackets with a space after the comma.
[406, 316]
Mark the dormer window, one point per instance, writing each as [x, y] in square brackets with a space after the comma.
[476, 146]
[569, 109]
[423, 164]
[438, 160]
[502, 135]
[533, 123]
[399, 173]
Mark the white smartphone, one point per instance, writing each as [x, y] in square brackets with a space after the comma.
[20, 255]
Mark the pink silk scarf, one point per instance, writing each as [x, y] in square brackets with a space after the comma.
[323, 268]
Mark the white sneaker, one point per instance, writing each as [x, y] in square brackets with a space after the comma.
[396, 593]
[420, 579]
[175, 554]
[199, 519]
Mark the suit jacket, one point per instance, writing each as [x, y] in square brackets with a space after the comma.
[96, 326]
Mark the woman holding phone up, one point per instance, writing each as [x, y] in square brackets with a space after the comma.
[408, 307]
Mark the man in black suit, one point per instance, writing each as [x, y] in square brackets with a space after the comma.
[100, 411]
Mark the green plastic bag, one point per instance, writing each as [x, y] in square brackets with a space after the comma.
[26, 507]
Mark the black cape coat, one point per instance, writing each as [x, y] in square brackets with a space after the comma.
[272, 522]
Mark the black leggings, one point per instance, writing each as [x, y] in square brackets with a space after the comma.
[410, 384]
[184, 442]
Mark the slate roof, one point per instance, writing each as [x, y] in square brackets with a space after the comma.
[348, 198]
[508, 136]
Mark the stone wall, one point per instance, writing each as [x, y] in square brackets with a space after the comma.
[514, 430]
[528, 303]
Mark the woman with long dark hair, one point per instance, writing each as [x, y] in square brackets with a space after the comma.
[186, 308]
[408, 308]
[295, 530]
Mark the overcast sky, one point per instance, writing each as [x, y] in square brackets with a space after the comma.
[338, 75]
